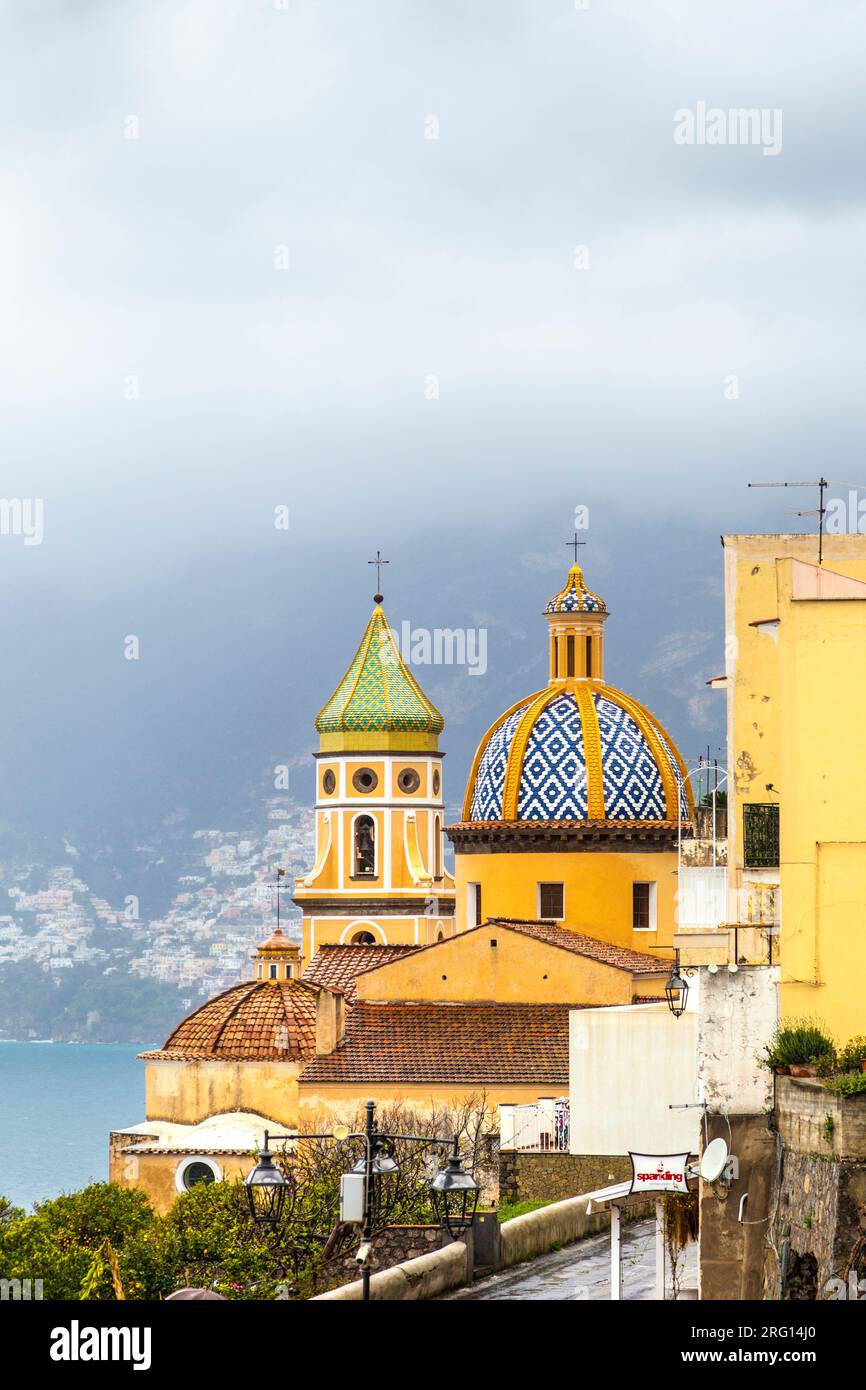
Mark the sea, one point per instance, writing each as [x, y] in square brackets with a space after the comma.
[58, 1102]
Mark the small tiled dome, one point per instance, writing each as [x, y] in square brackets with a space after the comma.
[575, 597]
[257, 1021]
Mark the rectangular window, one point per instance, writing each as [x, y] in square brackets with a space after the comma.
[551, 901]
[760, 836]
[643, 906]
[569, 656]
[589, 656]
[272, 972]
[473, 912]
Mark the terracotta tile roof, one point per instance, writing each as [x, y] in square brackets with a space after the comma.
[260, 1020]
[450, 1044]
[338, 967]
[622, 957]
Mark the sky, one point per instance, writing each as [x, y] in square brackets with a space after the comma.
[429, 277]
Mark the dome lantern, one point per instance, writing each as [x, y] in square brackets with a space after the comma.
[278, 958]
[576, 617]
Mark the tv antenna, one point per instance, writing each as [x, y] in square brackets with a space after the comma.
[820, 511]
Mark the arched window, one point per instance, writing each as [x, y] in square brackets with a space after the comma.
[437, 847]
[365, 847]
[363, 938]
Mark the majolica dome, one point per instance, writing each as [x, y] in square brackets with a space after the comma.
[575, 597]
[592, 754]
[579, 750]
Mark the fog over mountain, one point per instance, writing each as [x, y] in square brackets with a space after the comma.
[430, 278]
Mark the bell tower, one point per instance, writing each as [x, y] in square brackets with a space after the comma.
[379, 876]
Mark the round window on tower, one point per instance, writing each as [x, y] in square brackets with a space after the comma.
[365, 780]
[437, 781]
[329, 782]
[408, 780]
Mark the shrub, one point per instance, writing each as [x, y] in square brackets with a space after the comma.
[853, 1054]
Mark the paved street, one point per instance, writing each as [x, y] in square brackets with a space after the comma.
[582, 1271]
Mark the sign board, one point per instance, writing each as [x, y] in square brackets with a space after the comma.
[658, 1172]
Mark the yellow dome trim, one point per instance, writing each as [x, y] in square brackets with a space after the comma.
[591, 751]
[649, 727]
[482, 749]
[514, 768]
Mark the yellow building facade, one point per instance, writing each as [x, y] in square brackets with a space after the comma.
[576, 799]
[379, 875]
[795, 679]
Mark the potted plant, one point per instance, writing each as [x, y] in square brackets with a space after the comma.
[800, 1047]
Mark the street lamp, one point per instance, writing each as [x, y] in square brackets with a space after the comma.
[455, 1196]
[676, 989]
[266, 1187]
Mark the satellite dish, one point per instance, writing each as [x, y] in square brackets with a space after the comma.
[713, 1160]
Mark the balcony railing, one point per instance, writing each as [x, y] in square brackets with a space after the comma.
[760, 836]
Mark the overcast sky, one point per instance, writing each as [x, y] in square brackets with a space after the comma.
[166, 382]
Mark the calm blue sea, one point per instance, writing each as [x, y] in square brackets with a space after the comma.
[58, 1102]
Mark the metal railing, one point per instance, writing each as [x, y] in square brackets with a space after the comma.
[542, 1128]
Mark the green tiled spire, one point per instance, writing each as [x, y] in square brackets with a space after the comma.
[378, 703]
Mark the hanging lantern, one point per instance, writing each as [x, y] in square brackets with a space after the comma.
[266, 1189]
[454, 1194]
[676, 990]
[382, 1178]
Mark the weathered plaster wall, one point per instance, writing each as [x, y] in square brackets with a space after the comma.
[628, 1066]
[189, 1091]
[736, 1017]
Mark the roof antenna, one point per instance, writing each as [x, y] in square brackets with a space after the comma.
[378, 562]
[821, 485]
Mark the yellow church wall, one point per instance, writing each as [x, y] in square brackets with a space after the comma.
[341, 1103]
[598, 890]
[794, 721]
[517, 969]
[189, 1091]
[156, 1174]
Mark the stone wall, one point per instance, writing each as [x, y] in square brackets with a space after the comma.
[392, 1246]
[554, 1177]
[819, 1209]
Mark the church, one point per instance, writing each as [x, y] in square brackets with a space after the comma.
[412, 985]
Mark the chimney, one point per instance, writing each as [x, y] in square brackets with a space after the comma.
[330, 1021]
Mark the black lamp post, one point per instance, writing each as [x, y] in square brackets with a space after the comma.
[453, 1192]
[455, 1196]
[676, 989]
